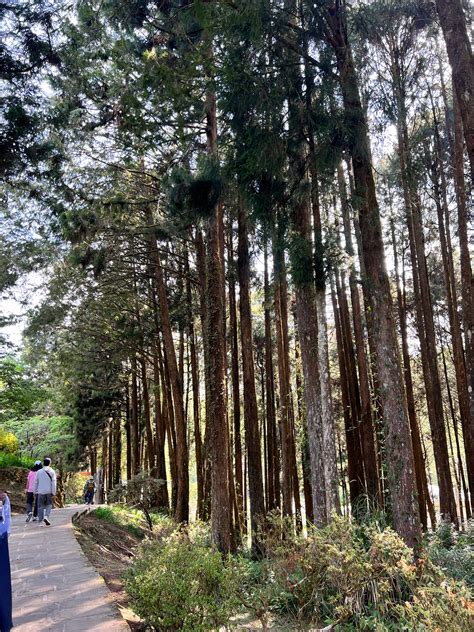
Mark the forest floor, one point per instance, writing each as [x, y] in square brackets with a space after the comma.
[109, 548]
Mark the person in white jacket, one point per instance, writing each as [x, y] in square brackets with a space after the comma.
[45, 487]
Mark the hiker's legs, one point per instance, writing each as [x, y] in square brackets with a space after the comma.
[35, 511]
[41, 505]
[29, 502]
[48, 505]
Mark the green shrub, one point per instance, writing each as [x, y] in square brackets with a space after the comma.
[454, 552]
[181, 585]
[8, 442]
[15, 460]
[362, 578]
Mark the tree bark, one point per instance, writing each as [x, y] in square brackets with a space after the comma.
[380, 319]
[272, 436]
[234, 347]
[252, 436]
[219, 435]
[458, 45]
[182, 499]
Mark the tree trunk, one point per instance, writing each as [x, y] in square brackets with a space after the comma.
[380, 318]
[182, 500]
[134, 431]
[252, 436]
[272, 438]
[440, 195]
[458, 45]
[234, 347]
[420, 472]
[219, 435]
[279, 272]
[366, 426]
[467, 281]
[353, 447]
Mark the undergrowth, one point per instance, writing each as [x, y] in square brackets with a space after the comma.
[14, 460]
[454, 552]
[132, 519]
[354, 577]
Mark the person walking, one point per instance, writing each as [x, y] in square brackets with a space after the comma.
[89, 491]
[30, 492]
[45, 487]
[6, 622]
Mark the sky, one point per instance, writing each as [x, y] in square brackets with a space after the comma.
[24, 296]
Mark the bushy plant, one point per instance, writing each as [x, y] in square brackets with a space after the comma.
[454, 552]
[8, 442]
[182, 585]
[363, 578]
[15, 460]
[140, 491]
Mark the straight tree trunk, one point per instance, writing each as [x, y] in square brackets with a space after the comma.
[279, 272]
[160, 437]
[272, 436]
[400, 467]
[458, 45]
[128, 433]
[366, 426]
[467, 281]
[195, 389]
[134, 432]
[219, 435]
[117, 451]
[182, 499]
[252, 436]
[353, 447]
[234, 347]
[424, 316]
[420, 472]
[201, 268]
[440, 195]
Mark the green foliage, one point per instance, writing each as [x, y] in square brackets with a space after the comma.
[19, 393]
[353, 577]
[43, 436]
[454, 552]
[15, 460]
[181, 585]
[133, 520]
[8, 442]
[194, 195]
[301, 257]
[141, 491]
[360, 578]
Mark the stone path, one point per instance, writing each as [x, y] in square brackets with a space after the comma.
[54, 586]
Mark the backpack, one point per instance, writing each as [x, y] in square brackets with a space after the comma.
[90, 487]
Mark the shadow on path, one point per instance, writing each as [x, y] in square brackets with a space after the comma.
[54, 587]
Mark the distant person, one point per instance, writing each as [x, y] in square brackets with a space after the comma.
[89, 491]
[30, 492]
[45, 487]
[6, 623]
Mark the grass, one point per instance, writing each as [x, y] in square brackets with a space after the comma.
[133, 519]
[14, 460]
[130, 519]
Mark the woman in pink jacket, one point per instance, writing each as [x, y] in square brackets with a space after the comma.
[30, 492]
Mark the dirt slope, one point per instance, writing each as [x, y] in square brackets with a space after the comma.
[13, 479]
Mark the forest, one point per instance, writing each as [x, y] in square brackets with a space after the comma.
[248, 227]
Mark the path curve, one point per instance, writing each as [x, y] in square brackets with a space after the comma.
[54, 586]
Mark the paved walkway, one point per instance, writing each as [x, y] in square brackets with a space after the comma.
[54, 586]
